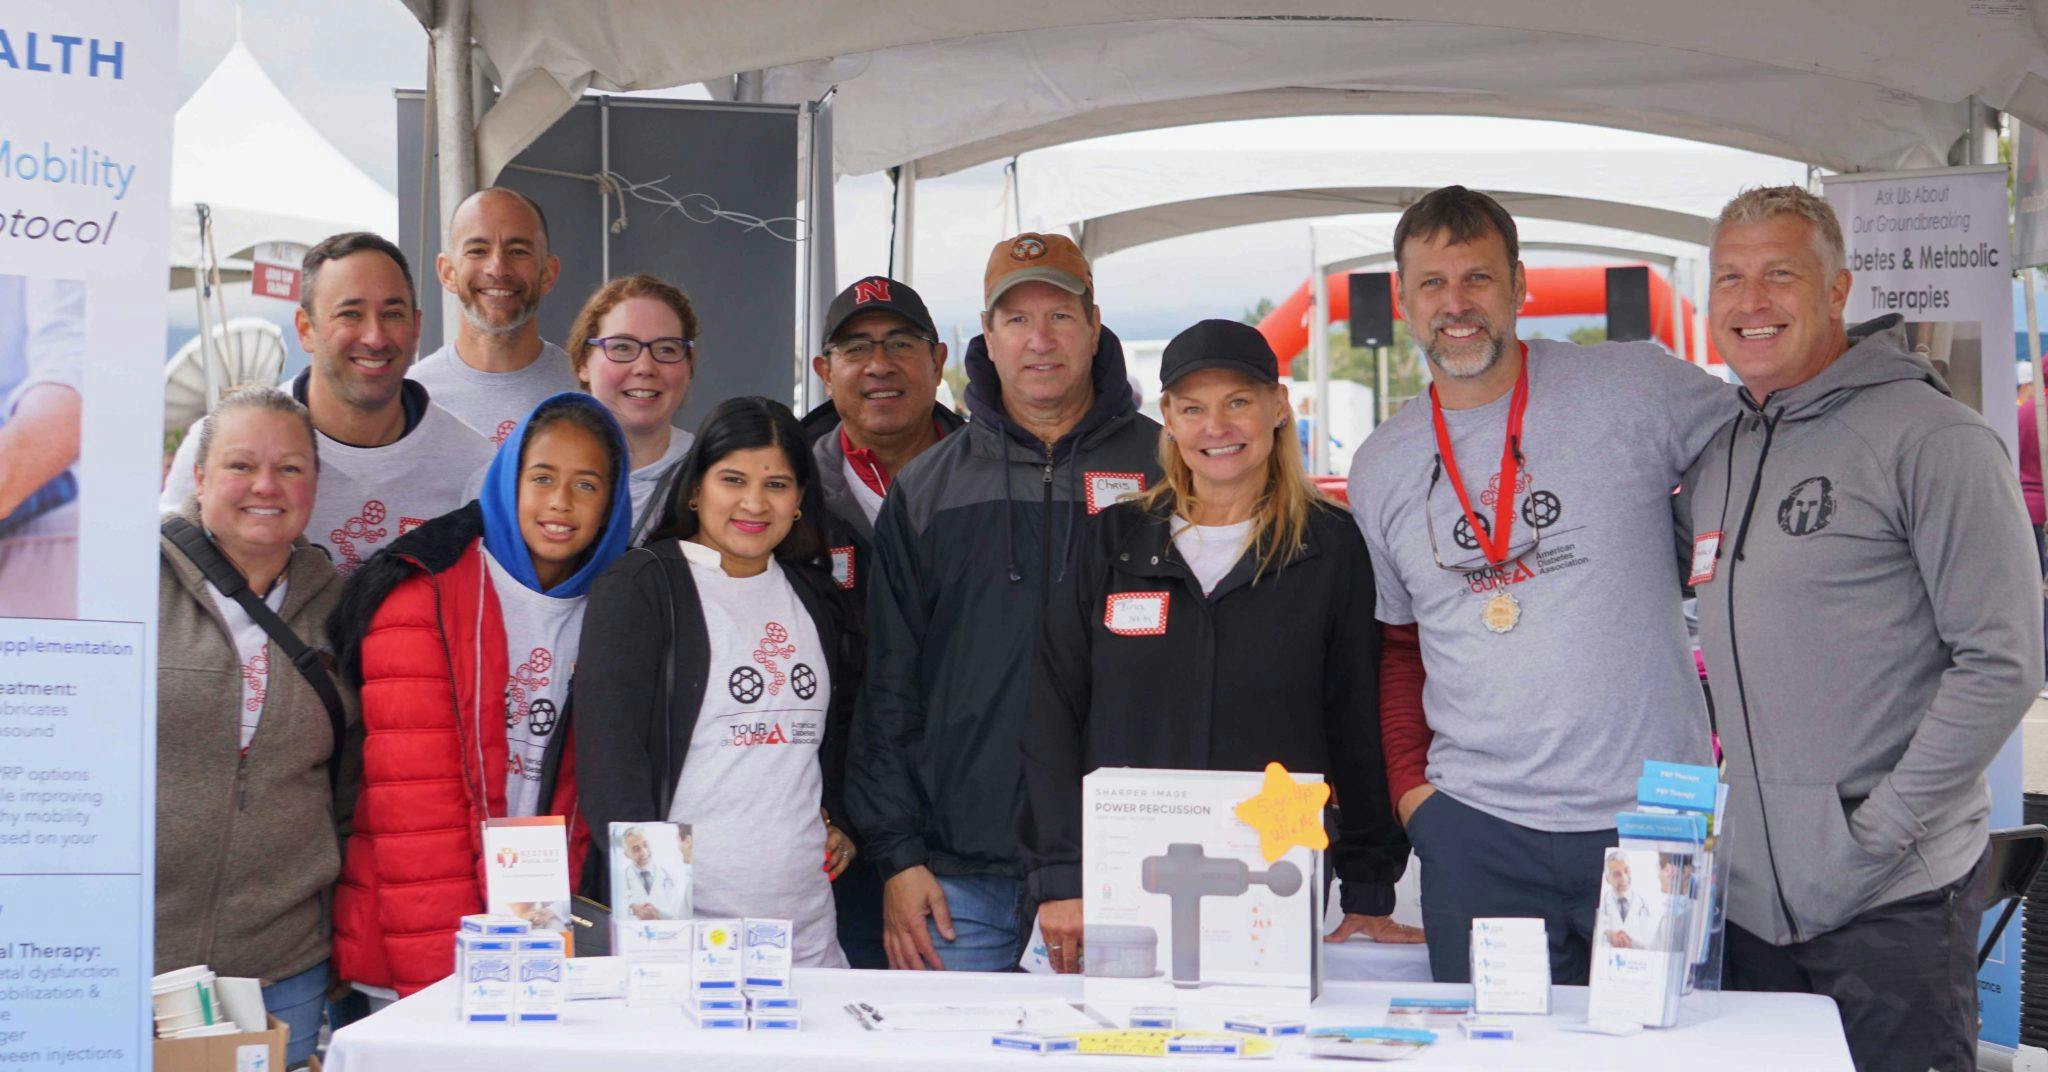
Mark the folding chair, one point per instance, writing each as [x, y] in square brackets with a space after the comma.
[2016, 857]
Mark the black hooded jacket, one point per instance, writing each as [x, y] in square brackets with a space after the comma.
[967, 547]
[849, 534]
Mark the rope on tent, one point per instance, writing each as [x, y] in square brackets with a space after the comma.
[695, 207]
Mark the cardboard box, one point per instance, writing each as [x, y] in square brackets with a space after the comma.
[219, 1053]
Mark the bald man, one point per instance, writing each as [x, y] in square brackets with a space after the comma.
[497, 264]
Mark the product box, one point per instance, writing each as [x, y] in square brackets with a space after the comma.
[715, 965]
[1183, 904]
[526, 872]
[595, 978]
[773, 1001]
[1156, 1017]
[1510, 959]
[720, 1021]
[484, 967]
[245, 1051]
[485, 923]
[714, 1002]
[774, 1021]
[1265, 1026]
[542, 988]
[1037, 1042]
[658, 957]
[767, 947]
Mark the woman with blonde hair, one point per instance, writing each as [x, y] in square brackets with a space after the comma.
[1220, 621]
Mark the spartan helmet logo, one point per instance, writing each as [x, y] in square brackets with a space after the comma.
[1027, 249]
[1809, 507]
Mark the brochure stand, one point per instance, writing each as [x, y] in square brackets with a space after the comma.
[1661, 928]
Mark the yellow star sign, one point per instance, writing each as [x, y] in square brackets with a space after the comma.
[1286, 813]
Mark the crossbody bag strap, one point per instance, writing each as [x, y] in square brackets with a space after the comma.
[193, 543]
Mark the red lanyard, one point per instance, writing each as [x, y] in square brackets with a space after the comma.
[1494, 544]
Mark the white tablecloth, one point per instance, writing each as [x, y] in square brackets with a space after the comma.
[1370, 962]
[1753, 1033]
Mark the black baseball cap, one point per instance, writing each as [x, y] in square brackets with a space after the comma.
[1226, 344]
[877, 294]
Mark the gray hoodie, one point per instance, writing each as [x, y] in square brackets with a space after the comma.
[1872, 633]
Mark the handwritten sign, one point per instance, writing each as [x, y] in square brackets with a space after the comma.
[1286, 813]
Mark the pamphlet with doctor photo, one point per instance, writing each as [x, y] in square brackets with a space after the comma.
[650, 871]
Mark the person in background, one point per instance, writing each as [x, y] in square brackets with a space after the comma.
[714, 687]
[497, 264]
[393, 457]
[1157, 650]
[463, 637]
[968, 545]
[1867, 532]
[246, 818]
[881, 363]
[636, 352]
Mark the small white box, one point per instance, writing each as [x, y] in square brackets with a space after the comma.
[767, 947]
[1153, 1017]
[489, 923]
[720, 1021]
[1476, 1029]
[714, 1003]
[774, 1021]
[1037, 1042]
[773, 1001]
[715, 964]
[594, 978]
[485, 964]
[657, 954]
[1265, 1026]
[541, 989]
[1204, 1046]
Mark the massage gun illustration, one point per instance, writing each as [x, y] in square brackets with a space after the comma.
[1186, 874]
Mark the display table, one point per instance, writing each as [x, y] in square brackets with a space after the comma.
[1753, 1032]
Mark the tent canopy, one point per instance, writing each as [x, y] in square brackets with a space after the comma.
[1856, 84]
[241, 149]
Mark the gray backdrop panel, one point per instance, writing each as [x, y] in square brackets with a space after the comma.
[741, 282]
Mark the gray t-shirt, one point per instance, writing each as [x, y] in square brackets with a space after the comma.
[1548, 725]
[493, 402]
[641, 483]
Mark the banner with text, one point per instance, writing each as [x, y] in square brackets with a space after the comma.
[85, 148]
[1933, 246]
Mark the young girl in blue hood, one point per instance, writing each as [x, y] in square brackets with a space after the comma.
[462, 636]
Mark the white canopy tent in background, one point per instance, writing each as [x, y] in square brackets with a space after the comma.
[247, 168]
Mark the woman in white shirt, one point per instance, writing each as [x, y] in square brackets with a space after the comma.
[715, 690]
[634, 348]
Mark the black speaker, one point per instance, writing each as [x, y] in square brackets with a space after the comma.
[1372, 309]
[1628, 304]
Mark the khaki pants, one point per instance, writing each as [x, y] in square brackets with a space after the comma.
[39, 567]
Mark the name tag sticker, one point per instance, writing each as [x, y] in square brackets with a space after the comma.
[1706, 552]
[842, 566]
[1136, 613]
[1104, 489]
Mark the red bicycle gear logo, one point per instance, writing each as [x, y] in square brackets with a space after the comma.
[528, 676]
[256, 676]
[365, 527]
[774, 645]
[504, 429]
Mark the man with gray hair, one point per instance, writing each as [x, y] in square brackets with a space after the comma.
[1866, 531]
[497, 264]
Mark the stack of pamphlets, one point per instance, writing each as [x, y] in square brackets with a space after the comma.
[1657, 897]
[1510, 966]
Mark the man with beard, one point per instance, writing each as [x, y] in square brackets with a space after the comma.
[497, 264]
[1519, 520]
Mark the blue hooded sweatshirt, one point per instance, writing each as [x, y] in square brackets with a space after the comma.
[499, 499]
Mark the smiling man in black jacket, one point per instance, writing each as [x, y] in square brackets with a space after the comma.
[967, 546]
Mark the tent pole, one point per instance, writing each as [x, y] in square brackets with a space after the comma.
[1319, 359]
[1699, 313]
[454, 129]
[1678, 324]
[903, 235]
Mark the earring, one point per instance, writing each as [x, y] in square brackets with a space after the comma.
[1169, 437]
[799, 516]
[693, 506]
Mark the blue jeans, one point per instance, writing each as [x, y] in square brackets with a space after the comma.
[989, 927]
[298, 1001]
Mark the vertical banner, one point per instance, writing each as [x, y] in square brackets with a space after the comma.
[85, 139]
[1933, 247]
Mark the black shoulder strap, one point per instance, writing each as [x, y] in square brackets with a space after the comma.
[193, 543]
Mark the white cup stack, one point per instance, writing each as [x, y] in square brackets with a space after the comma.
[185, 1000]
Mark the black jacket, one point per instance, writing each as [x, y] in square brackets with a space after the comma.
[1279, 670]
[967, 547]
[629, 751]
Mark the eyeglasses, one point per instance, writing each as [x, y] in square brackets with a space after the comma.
[1470, 540]
[625, 349]
[897, 347]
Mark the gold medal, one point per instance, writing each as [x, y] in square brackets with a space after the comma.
[1501, 613]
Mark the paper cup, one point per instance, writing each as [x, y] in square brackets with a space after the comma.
[166, 1025]
[242, 1001]
[184, 992]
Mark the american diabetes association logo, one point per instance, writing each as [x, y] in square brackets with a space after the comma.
[748, 684]
[1808, 508]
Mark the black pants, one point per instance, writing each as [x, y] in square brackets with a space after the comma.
[857, 898]
[1474, 865]
[1904, 974]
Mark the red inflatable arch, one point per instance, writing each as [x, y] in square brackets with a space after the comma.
[1552, 292]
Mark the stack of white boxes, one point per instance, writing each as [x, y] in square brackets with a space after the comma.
[1510, 966]
[508, 973]
[728, 974]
